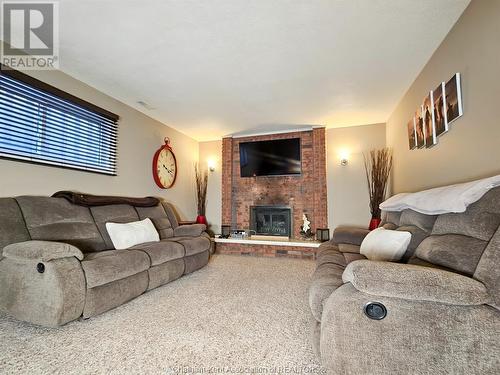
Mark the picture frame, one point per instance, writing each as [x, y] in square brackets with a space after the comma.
[419, 128]
[440, 107]
[412, 134]
[428, 119]
[453, 99]
[439, 103]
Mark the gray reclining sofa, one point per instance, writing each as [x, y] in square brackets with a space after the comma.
[57, 262]
[442, 302]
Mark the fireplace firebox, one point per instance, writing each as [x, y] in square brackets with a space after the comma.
[271, 220]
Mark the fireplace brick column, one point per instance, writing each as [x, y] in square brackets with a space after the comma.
[304, 194]
[320, 193]
[227, 180]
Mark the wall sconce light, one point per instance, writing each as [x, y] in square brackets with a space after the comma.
[344, 158]
[211, 165]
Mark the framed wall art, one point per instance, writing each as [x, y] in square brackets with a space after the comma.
[428, 116]
[453, 99]
[440, 121]
[439, 109]
[412, 134]
[419, 127]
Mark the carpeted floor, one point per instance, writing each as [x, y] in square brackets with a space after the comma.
[238, 314]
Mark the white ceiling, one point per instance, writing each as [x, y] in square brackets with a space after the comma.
[215, 67]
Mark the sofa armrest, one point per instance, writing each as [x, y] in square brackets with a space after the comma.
[349, 235]
[192, 230]
[413, 282]
[43, 251]
[49, 296]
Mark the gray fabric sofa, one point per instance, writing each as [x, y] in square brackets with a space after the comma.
[442, 300]
[57, 262]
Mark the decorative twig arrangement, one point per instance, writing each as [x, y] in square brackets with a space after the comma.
[378, 165]
[201, 189]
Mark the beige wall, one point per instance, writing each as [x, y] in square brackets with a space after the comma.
[471, 149]
[212, 151]
[347, 191]
[139, 138]
[348, 202]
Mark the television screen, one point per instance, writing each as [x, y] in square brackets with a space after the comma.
[270, 158]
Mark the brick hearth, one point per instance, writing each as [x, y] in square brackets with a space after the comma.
[266, 250]
[304, 194]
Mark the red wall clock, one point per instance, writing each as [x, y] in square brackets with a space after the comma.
[165, 166]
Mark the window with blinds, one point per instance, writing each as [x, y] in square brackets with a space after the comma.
[42, 124]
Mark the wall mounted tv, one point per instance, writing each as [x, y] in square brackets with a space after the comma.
[279, 157]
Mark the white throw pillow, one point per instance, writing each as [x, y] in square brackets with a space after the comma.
[385, 244]
[127, 235]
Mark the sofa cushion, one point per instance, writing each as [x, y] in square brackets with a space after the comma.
[326, 279]
[349, 235]
[417, 236]
[12, 227]
[337, 254]
[114, 213]
[195, 262]
[478, 225]
[391, 217]
[193, 245]
[328, 275]
[106, 266]
[191, 230]
[453, 251]
[107, 296]
[348, 248]
[481, 219]
[326, 247]
[390, 226]
[56, 219]
[161, 252]
[487, 268]
[414, 218]
[169, 210]
[165, 272]
[351, 257]
[420, 262]
[159, 218]
[330, 254]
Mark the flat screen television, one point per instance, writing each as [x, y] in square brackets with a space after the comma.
[279, 157]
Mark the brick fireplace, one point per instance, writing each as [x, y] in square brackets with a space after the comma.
[301, 194]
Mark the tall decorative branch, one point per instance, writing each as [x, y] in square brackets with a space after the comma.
[378, 165]
[201, 189]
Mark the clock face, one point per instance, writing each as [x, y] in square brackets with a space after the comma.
[164, 168]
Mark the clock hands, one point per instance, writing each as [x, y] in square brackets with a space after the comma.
[168, 170]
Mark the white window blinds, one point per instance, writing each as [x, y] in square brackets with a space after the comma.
[41, 124]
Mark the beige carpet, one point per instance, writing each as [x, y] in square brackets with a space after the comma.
[238, 314]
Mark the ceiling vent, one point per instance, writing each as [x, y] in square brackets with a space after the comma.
[145, 105]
